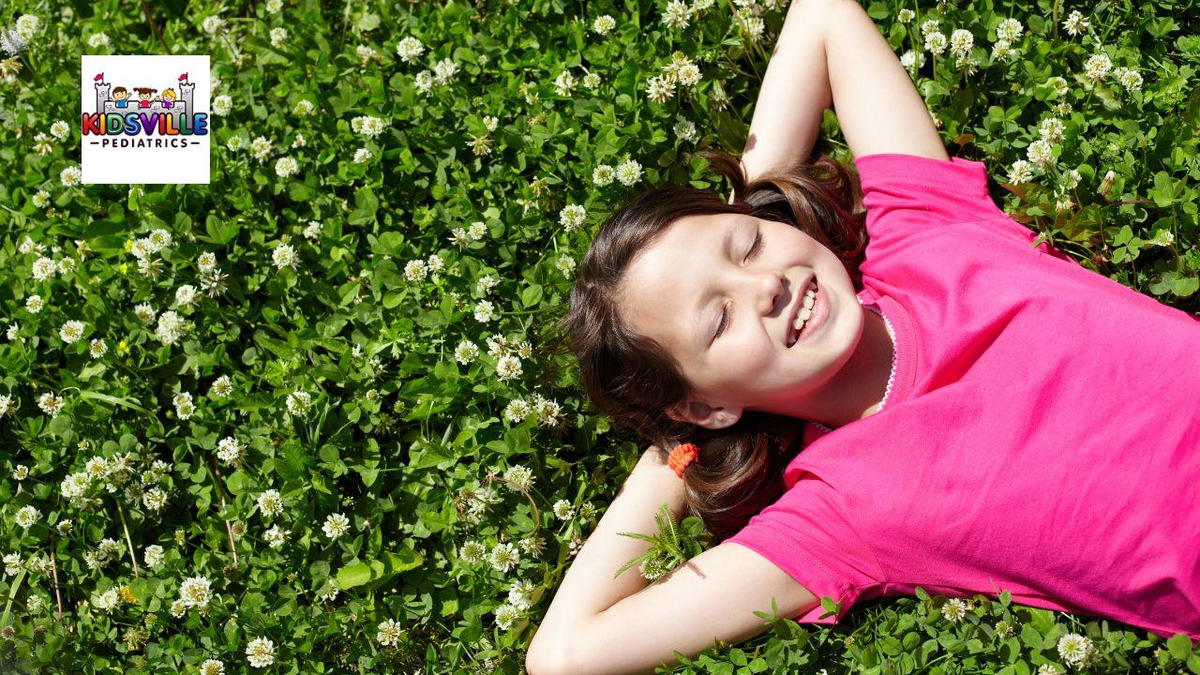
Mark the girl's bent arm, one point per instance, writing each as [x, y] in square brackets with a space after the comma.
[795, 93]
[598, 625]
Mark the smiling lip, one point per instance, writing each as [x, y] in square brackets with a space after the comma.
[791, 328]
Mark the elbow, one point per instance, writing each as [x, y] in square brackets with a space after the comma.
[545, 659]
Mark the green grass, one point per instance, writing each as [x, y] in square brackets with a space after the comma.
[400, 436]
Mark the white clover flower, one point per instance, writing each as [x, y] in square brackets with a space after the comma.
[28, 516]
[1071, 179]
[517, 410]
[629, 172]
[153, 555]
[466, 352]
[154, 499]
[572, 216]
[6, 406]
[444, 70]
[490, 122]
[185, 295]
[278, 35]
[587, 511]
[1064, 204]
[213, 666]
[660, 89]
[508, 367]
[905, 15]
[603, 174]
[485, 311]
[40, 199]
[298, 402]
[303, 107]
[591, 81]
[423, 81]
[50, 404]
[472, 552]
[34, 303]
[178, 609]
[409, 49]
[260, 147]
[389, 633]
[235, 143]
[97, 348]
[1075, 24]
[961, 41]
[954, 610]
[434, 264]
[1047, 669]
[286, 166]
[361, 155]
[212, 24]
[183, 405]
[1040, 153]
[221, 105]
[929, 26]
[676, 15]
[275, 537]
[12, 563]
[1097, 67]
[313, 231]
[28, 26]
[1076, 649]
[565, 264]
[1009, 30]
[221, 387]
[196, 592]
[603, 24]
[415, 270]
[367, 125]
[260, 652]
[285, 256]
[60, 130]
[1129, 78]
[685, 130]
[549, 413]
[486, 283]
[1051, 129]
[335, 525]
[477, 230]
[562, 510]
[98, 40]
[506, 614]
[1020, 172]
[519, 594]
[1001, 51]
[273, 6]
[504, 557]
[229, 450]
[1058, 84]
[935, 43]
[71, 331]
[21, 472]
[270, 503]
[70, 176]
[107, 601]
[519, 477]
[564, 83]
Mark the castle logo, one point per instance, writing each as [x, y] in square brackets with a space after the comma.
[144, 119]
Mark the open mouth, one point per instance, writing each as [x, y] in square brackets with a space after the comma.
[805, 317]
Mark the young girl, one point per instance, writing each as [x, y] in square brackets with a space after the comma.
[934, 402]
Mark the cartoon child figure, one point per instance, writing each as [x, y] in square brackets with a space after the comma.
[120, 96]
[168, 98]
[146, 96]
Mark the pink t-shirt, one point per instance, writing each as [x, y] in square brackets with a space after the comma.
[1040, 434]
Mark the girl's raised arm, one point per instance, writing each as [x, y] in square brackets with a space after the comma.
[794, 94]
[830, 52]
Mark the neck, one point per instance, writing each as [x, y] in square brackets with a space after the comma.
[859, 387]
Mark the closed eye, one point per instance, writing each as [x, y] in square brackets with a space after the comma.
[754, 250]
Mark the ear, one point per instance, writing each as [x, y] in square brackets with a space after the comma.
[701, 414]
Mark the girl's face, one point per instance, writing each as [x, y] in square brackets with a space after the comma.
[720, 292]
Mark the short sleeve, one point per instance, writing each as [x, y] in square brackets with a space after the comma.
[909, 191]
[806, 534]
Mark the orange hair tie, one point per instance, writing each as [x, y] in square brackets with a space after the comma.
[681, 456]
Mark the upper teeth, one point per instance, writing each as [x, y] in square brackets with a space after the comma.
[810, 298]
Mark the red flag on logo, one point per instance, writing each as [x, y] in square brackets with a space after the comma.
[183, 77]
[99, 77]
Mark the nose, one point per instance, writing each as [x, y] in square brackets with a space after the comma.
[769, 291]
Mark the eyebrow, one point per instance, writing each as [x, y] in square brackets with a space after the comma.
[704, 301]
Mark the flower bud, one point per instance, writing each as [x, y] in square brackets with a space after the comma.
[1106, 184]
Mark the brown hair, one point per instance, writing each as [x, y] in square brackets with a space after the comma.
[119, 90]
[633, 379]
